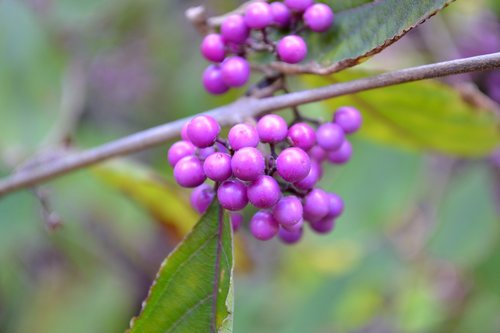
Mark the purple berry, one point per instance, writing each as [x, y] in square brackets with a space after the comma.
[236, 220]
[188, 172]
[203, 131]
[312, 177]
[264, 192]
[341, 155]
[317, 153]
[232, 195]
[295, 226]
[179, 150]
[330, 136]
[234, 29]
[292, 49]
[293, 164]
[299, 5]
[235, 71]
[203, 153]
[290, 237]
[258, 15]
[213, 48]
[263, 226]
[323, 226]
[318, 17]
[281, 14]
[335, 205]
[218, 167]
[288, 211]
[243, 135]
[202, 197]
[316, 205]
[348, 118]
[184, 134]
[248, 164]
[272, 128]
[302, 135]
[212, 80]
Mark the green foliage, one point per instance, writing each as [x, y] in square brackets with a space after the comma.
[424, 115]
[193, 291]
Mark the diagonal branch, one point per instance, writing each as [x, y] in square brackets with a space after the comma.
[236, 112]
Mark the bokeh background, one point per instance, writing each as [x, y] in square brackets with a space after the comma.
[418, 249]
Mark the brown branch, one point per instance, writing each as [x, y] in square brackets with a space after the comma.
[237, 112]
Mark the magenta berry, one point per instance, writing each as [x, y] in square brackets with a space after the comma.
[202, 197]
[272, 128]
[213, 48]
[243, 135]
[232, 195]
[263, 226]
[212, 80]
[236, 220]
[203, 131]
[335, 205]
[302, 135]
[298, 5]
[288, 211]
[293, 227]
[317, 153]
[330, 136]
[290, 236]
[323, 226]
[318, 17]
[341, 155]
[292, 49]
[188, 172]
[293, 164]
[316, 205]
[348, 118]
[203, 153]
[312, 177]
[218, 166]
[248, 164]
[184, 135]
[179, 150]
[264, 192]
[281, 14]
[234, 29]
[258, 15]
[235, 71]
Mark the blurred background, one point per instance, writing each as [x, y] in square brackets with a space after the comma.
[418, 249]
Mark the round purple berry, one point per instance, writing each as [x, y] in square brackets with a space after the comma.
[294, 227]
[179, 150]
[335, 205]
[243, 135]
[318, 17]
[263, 226]
[213, 48]
[235, 71]
[248, 164]
[290, 236]
[323, 226]
[312, 177]
[281, 14]
[184, 134]
[341, 155]
[218, 166]
[299, 5]
[316, 205]
[272, 128]
[203, 153]
[212, 80]
[348, 118]
[188, 172]
[232, 195]
[293, 164]
[264, 192]
[258, 15]
[317, 153]
[330, 136]
[234, 29]
[302, 135]
[292, 49]
[202, 197]
[288, 211]
[203, 131]
[236, 220]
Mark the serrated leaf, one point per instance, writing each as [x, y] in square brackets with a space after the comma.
[425, 115]
[193, 291]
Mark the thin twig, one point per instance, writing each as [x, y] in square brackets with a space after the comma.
[236, 112]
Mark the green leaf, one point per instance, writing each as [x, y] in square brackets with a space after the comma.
[193, 291]
[425, 115]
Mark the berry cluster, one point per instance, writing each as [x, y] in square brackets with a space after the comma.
[229, 48]
[272, 166]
